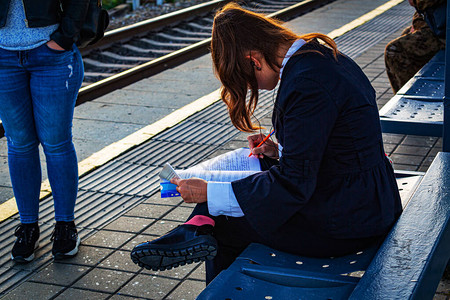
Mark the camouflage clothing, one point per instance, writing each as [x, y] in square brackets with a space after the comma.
[408, 53]
[422, 5]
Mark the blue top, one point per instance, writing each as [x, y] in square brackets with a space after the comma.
[333, 178]
[17, 36]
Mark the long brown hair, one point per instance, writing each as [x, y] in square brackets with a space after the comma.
[236, 32]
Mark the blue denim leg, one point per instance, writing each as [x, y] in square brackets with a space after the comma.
[54, 78]
[16, 113]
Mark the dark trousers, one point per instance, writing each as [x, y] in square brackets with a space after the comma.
[233, 235]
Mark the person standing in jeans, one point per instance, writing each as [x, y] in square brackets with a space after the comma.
[41, 71]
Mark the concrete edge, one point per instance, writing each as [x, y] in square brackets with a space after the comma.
[364, 18]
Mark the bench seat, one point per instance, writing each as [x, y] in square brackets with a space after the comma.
[408, 115]
[261, 272]
[417, 108]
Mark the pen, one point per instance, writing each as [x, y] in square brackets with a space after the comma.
[262, 142]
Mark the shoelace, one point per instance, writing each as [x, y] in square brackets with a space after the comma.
[62, 232]
[24, 235]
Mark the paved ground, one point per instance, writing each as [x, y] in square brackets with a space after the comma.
[119, 204]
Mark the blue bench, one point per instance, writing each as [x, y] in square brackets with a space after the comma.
[408, 265]
[418, 108]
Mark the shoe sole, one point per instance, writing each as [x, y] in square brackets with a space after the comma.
[72, 253]
[179, 255]
[25, 260]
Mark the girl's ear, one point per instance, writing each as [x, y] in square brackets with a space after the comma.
[254, 62]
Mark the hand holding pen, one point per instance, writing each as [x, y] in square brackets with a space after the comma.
[264, 146]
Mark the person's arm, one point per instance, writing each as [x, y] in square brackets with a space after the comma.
[219, 195]
[222, 201]
[73, 16]
[309, 115]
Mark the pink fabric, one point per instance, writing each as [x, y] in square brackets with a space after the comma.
[200, 220]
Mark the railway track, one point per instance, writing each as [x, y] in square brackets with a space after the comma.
[129, 54]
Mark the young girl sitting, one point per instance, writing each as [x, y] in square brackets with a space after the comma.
[326, 189]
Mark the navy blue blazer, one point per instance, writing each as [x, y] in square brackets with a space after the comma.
[333, 177]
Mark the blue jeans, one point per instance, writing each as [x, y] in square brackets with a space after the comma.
[38, 90]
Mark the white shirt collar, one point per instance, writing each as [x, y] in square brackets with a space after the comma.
[294, 48]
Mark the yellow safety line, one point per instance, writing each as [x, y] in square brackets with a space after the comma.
[363, 19]
[9, 208]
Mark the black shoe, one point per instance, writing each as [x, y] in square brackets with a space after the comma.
[27, 242]
[183, 245]
[65, 240]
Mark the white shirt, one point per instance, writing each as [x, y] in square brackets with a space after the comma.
[294, 48]
[220, 195]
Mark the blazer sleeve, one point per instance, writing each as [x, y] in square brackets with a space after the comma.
[73, 16]
[268, 199]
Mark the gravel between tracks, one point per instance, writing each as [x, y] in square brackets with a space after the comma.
[123, 15]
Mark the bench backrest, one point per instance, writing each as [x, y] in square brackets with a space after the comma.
[412, 259]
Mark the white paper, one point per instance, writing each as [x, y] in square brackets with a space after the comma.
[236, 160]
[213, 175]
[168, 172]
[227, 167]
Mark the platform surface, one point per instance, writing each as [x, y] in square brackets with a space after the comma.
[122, 140]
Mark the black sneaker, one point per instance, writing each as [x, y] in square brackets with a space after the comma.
[27, 242]
[65, 240]
[183, 245]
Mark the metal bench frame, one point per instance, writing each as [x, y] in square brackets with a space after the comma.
[418, 107]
